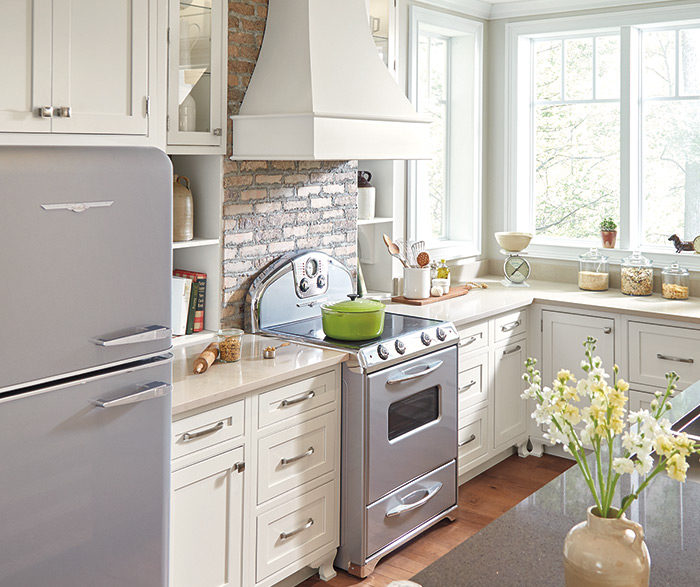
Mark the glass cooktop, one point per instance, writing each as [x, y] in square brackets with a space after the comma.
[395, 325]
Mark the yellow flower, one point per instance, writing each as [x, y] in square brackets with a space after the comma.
[684, 445]
[676, 467]
[564, 375]
[664, 445]
[622, 385]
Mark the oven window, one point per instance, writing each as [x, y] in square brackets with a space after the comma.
[413, 412]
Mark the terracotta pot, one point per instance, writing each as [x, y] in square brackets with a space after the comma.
[609, 237]
[603, 552]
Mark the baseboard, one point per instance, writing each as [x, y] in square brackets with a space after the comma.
[479, 469]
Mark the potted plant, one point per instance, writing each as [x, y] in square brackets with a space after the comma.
[608, 232]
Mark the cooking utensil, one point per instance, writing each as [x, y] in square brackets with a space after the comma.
[205, 358]
[394, 250]
[269, 352]
[407, 251]
[423, 259]
[476, 285]
[353, 319]
[417, 248]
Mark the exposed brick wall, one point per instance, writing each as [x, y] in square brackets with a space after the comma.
[273, 207]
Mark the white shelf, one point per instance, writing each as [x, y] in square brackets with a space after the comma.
[377, 220]
[196, 242]
[205, 336]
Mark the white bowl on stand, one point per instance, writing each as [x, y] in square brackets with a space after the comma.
[513, 242]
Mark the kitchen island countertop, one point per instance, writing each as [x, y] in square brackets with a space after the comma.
[224, 381]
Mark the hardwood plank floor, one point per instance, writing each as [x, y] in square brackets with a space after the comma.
[481, 500]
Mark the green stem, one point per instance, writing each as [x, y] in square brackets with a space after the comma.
[601, 481]
[627, 502]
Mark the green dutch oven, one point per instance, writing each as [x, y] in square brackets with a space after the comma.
[353, 319]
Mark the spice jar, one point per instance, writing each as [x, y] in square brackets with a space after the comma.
[636, 275]
[593, 272]
[230, 345]
[675, 282]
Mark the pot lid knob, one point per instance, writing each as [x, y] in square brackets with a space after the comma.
[353, 296]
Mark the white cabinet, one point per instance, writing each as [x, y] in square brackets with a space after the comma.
[207, 522]
[75, 67]
[510, 411]
[197, 33]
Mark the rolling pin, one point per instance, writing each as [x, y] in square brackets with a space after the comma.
[206, 358]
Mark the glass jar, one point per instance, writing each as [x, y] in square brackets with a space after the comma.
[230, 345]
[593, 274]
[636, 275]
[675, 282]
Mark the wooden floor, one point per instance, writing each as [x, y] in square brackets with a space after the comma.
[481, 500]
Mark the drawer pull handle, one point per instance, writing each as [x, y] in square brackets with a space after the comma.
[510, 326]
[469, 385]
[407, 507]
[676, 359]
[511, 351]
[414, 373]
[153, 390]
[607, 330]
[472, 438]
[290, 402]
[285, 535]
[287, 461]
[467, 341]
[187, 436]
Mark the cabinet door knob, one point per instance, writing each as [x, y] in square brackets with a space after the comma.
[607, 330]
[217, 132]
[63, 112]
[45, 111]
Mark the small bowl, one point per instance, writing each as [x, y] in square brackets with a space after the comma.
[513, 242]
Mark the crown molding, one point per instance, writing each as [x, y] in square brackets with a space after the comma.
[474, 8]
[539, 7]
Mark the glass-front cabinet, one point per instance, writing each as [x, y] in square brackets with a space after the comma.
[382, 22]
[196, 74]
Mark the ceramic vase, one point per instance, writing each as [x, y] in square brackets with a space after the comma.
[609, 237]
[606, 552]
[183, 210]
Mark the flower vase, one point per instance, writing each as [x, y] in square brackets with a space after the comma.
[602, 552]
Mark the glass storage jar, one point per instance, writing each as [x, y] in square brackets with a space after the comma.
[675, 282]
[593, 274]
[636, 275]
[230, 345]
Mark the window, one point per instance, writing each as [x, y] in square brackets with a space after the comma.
[444, 193]
[601, 110]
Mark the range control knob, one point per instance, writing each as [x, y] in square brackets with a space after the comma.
[400, 347]
[425, 338]
[441, 334]
[382, 352]
[321, 282]
[304, 285]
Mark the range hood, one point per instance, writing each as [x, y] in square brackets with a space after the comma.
[320, 91]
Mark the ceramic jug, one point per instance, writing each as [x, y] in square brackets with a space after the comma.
[183, 210]
[366, 195]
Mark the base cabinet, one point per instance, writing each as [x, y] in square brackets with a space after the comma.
[510, 411]
[207, 522]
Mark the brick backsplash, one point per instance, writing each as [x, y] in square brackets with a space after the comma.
[273, 207]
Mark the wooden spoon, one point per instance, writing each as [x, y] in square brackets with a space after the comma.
[394, 250]
[423, 259]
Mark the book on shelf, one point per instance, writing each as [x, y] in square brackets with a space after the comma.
[192, 307]
[181, 296]
[201, 279]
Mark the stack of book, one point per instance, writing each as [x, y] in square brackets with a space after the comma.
[188, 295]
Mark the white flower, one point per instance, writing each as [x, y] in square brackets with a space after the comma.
[623, 466]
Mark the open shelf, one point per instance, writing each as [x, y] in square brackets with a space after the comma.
[377, 220]
[196, 242]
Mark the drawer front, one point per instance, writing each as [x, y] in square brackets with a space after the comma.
[411, 505]
[655, 350]
[472, 384]
[296, 455]
[472, 439]
[297, 398]
[294, 529]
[207, 429]
[473, 337]
[510, 325]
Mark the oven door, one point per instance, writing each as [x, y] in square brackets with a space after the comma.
[412, 420]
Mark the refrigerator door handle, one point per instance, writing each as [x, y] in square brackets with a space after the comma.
[141, 334]
[149, 391]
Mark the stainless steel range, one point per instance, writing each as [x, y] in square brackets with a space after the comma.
[399, 407]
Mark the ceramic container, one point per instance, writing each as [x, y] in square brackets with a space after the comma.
[353, 319]
[366, 196]
[416, 283]
[183, 210]
[513, 242]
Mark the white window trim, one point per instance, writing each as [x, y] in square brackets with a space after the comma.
[517, 212]
[450, 249]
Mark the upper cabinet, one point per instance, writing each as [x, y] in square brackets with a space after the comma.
[382, 22]
[196, 73]
[75, 67]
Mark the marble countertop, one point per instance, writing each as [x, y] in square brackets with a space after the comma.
[223, 381]
[524, 546]
[480, 304]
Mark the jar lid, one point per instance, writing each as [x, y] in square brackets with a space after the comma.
[230, 332]
[675, 269]
[593, 255]
[637, 259]
[356, 306]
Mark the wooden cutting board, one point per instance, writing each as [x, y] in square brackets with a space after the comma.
[455, 292]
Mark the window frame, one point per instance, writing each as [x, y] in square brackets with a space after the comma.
[519, 136]
[458, 25]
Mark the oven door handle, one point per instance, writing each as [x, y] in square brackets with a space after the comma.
[407, 507]
[408, 374]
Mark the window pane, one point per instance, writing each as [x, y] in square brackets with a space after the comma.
[659, 58]
[579, 69]
[671, 171]
[607, 67]
[689, 62]
[577, 168]
[548, 70]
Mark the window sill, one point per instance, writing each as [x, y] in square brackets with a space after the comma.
[451, 250]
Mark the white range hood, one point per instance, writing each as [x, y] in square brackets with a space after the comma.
[320, 91]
